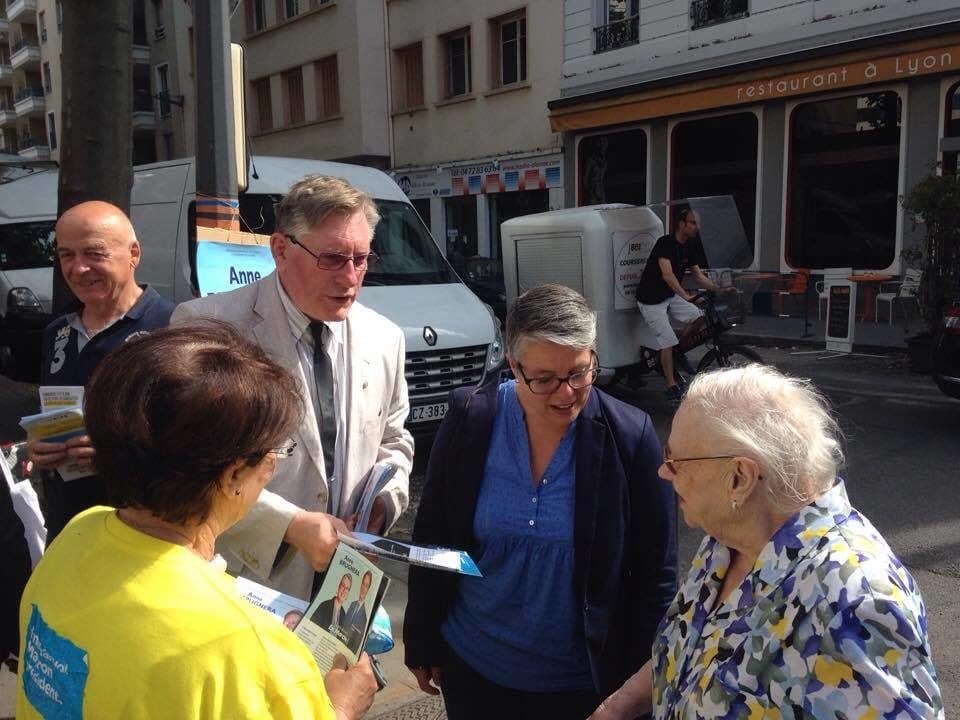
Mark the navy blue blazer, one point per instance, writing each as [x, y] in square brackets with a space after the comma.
[625, 552]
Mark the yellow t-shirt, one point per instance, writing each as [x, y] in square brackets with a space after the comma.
[117, 624]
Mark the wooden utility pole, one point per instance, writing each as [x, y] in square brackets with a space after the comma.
[97, 105]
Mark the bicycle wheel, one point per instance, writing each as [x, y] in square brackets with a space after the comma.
[728, 356]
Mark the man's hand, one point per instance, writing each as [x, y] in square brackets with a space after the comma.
[424, 678]
[315, 535]
[378, 517]
[49, 455]
[350, 691]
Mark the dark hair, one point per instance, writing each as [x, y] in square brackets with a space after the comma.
[168, 413]
[683, 213]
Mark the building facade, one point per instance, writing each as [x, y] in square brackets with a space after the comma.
[31, 79]
[316, 78]
[816, 116]
[450, 97]
[472, 143]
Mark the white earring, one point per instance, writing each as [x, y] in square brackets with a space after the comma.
[733, 504]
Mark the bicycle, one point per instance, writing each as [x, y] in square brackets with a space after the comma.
[720, 316]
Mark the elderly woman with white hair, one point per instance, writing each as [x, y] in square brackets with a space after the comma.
[552, 487]
[795, 606]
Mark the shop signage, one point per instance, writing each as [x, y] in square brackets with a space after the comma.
[689, 97]
[630, 252]
[531, 173]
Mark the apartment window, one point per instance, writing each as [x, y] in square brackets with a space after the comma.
[327, 83]
[713, 12]
[511, 49]
[458, 63]
[620, 27]
[293, 95]
[47, 78]
[261, 91]
[52, 130]
[844, 156]
[163, 90]
[718, 156]
[42, 25]
[408, 92]
[59, 10]
[159, 31]
[287, 9]
[256, 16]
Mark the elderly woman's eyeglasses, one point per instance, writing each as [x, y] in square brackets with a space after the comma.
[669, 461]
[549, 385]
[285, 450]
[335, 261]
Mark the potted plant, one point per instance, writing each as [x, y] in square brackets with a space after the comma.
[934, 203]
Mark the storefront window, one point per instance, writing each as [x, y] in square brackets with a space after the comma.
[951, 129]
[718, 156]
[842, 182]
[613, 168]
[461, 215]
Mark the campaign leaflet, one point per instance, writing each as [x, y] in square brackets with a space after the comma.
[339, 618]
[59, 425]
[437, 558]
[286, 608]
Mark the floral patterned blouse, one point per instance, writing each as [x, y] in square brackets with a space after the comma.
[828, 624]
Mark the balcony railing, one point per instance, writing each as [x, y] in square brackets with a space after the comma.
[617, 34]
[29, 142]
[21, 43]
[159, 32]
[712, 12]
[29, 92]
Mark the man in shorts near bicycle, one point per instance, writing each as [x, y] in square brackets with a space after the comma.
[661, 297]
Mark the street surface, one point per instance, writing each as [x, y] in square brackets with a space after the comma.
[903, 463]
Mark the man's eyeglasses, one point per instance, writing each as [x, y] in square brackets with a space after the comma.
[549, 385]
[669, 461]
[335, 261]
[285, 450]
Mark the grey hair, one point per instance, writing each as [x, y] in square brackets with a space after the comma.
[551, 313]
[781, 422]
[311, 200]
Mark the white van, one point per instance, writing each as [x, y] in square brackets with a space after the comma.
[452, 338]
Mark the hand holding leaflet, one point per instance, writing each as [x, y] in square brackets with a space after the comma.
[59, 426]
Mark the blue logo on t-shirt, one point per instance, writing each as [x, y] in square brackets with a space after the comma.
[54, 671]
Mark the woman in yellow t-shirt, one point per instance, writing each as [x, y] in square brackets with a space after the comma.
[130, 614]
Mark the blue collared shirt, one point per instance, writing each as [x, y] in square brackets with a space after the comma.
[520, 624]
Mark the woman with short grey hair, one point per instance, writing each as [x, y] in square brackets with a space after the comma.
[794, 606]
[551, 486]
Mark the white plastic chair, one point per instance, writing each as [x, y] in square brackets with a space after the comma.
[821, 297]
[907, 291]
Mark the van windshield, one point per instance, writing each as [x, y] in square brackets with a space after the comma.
[408, 254]
[27, 245]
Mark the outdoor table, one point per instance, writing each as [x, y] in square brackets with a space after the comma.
[870, 282]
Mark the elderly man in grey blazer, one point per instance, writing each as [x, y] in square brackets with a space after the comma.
[349, 362]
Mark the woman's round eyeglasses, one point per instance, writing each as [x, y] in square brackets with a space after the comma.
[549, 385]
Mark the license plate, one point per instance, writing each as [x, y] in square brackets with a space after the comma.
[427, 413]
